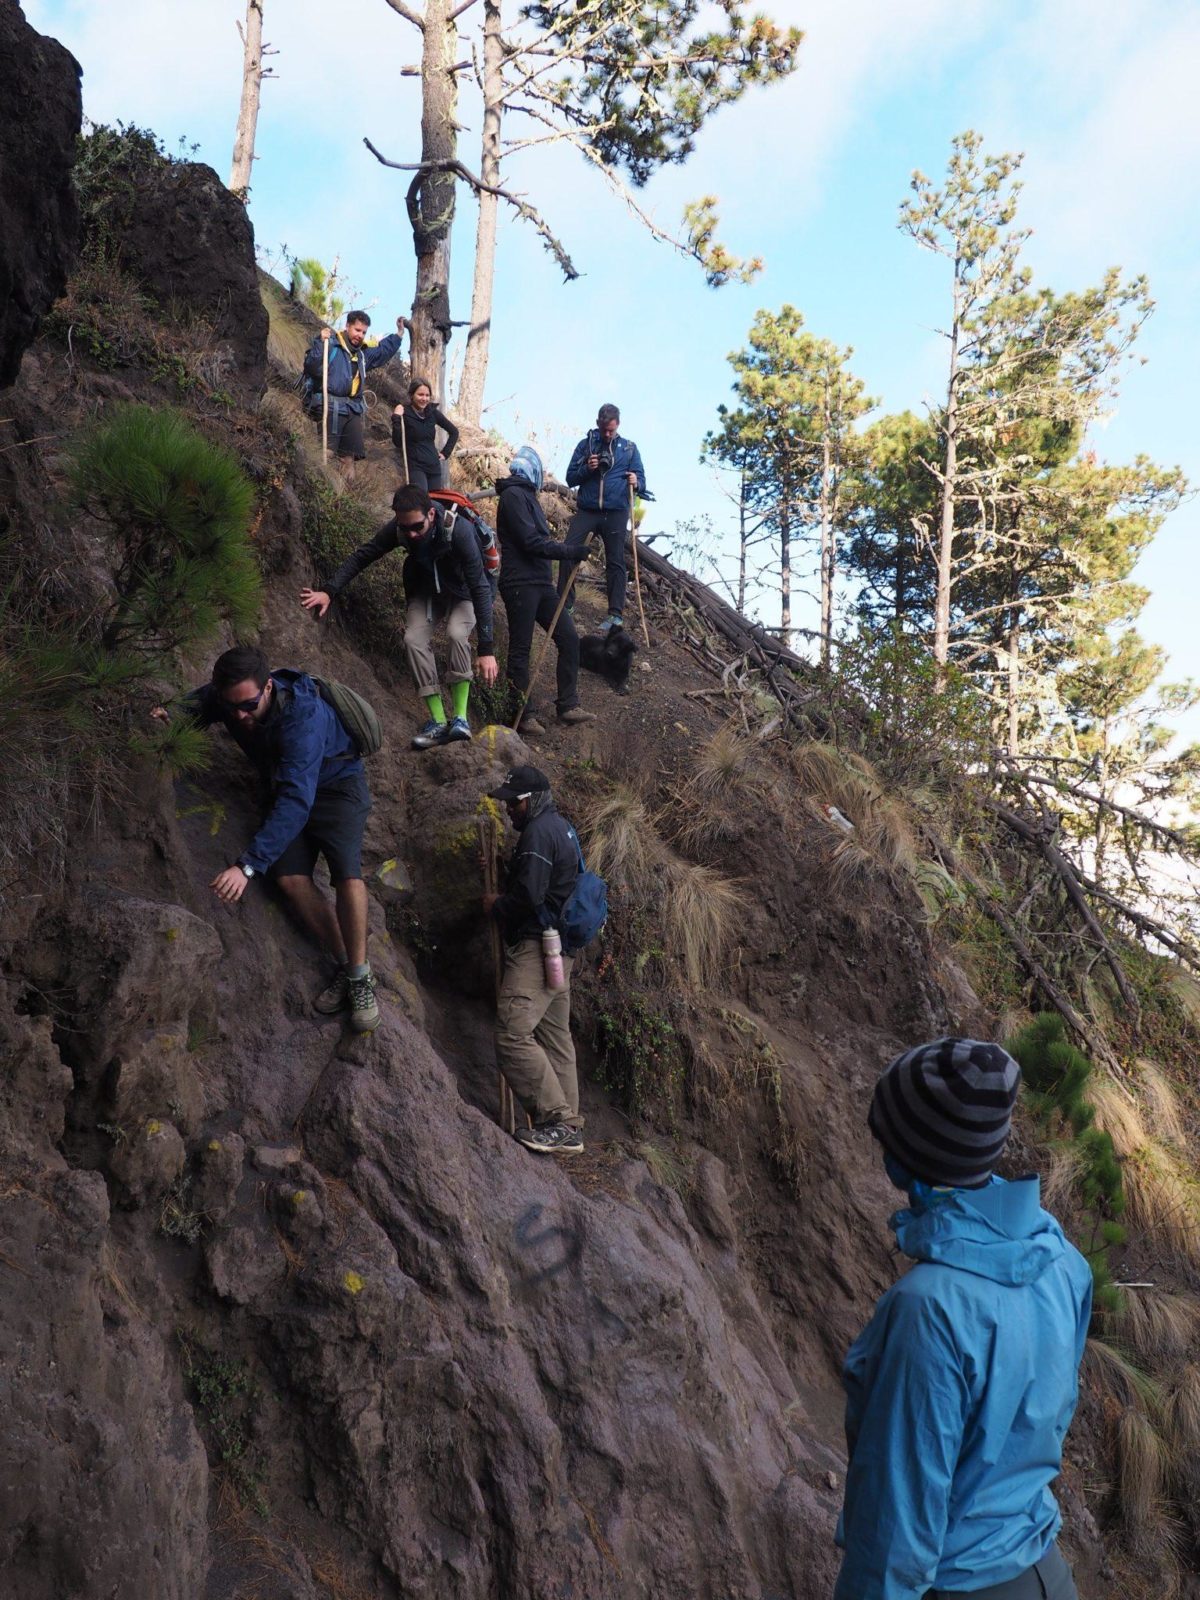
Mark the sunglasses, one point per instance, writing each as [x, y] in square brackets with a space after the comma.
[245, 705]
[412, 527]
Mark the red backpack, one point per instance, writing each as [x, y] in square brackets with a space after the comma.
[452, 506]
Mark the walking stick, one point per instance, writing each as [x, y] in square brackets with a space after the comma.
[558, 611]
[487, 847]
[637, 587]
[325, 401]
[404, 444]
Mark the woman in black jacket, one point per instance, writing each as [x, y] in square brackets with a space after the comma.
[414, 434]
[527, 548]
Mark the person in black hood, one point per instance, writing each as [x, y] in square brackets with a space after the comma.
[527, 588]
[533, 1023]
[444, 577]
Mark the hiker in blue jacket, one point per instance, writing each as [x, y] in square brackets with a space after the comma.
[961, 1388]
[350, 359]
[607, 470]
[319, 803]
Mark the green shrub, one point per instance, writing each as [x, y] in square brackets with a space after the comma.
[333, 526]
[111, 163]
[177, 509]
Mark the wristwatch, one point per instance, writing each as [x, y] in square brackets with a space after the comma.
[249, 871]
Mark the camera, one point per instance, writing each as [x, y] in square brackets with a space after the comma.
[599, 447]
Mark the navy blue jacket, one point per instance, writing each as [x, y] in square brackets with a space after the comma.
[300, 746]
[441, 568]
[342, 362]
[616, 488]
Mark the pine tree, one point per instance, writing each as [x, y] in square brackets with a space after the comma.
[792, 438]
[626, 83]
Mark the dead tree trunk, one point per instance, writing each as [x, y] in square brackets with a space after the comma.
[475, 362]
[253, 73]
[431, 197]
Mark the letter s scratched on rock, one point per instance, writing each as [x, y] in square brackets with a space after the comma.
[569, 1241]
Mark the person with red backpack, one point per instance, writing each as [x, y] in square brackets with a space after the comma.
[445, 579]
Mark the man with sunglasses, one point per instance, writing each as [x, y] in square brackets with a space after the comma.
[319, 806]
[444, 579]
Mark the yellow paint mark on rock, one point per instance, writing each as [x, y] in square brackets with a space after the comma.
[299, 1196]
[214, 1144]
[354, 1283]
[153, 1128]
[172, 933]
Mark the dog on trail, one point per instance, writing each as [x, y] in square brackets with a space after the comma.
[609, 654]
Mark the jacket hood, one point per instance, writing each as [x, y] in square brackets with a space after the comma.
[527, 464]
[999, 1232]
[514, 482]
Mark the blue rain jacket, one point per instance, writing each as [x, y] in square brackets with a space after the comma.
[299, 747]
[958, 1396]
[616, 486]
[343, 364]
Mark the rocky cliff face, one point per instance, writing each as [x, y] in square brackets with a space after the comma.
[39, 221]
[286, 1315]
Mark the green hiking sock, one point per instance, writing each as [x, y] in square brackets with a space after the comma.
[437, 710]
[459, 694]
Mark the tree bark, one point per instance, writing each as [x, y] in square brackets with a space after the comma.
[742, 540]
[253, 73]
[941, 621]
[431, 199]
[827, 553]
[1014, 681]
[785, 578]
[475, 362]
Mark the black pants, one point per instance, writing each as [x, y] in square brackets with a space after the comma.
[525, 604]
[1048, 1579]
[427, 477]
[612, 526]
[346, 435]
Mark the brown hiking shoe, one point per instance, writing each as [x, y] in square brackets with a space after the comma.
[576, 715]
[530, 727]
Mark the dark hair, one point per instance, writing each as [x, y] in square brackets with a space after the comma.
[411, 497]
[236, 665]
[359, 316]
[420, 383]
[607, 414]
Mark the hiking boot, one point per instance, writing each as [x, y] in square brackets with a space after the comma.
[531, 728]
[335, 998]
[610, 622]
[553, 1138]
[364, 1012]
[457, 728]
[432, 733]
[576, 715]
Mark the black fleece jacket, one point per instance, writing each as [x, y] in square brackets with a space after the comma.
[448, 569]
[418, 435]
[527, 546]
[541, 874]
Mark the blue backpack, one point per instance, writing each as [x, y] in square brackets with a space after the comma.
[586, 910]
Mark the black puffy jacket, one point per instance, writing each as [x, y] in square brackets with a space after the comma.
[527, 546]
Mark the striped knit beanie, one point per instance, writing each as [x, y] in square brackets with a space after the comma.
[944, 1110]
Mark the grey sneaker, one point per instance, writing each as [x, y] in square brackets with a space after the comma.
[364, 1012]
[432, 733]
[576, 715]
[457, 728]
[530, 727]
[336, 997]
[553, 1138]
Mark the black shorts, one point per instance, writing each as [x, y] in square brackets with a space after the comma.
[346, 434]
[334, 829]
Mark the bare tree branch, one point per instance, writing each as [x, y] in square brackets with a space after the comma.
[409, 15]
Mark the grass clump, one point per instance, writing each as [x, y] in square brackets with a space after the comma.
[334, 523]
[226, 1400]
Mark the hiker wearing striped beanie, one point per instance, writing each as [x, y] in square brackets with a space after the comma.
[962, 1385]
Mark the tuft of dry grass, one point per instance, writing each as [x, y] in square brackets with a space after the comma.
[1162, 1104]
[1162, 1200]
[702, 912]
[1062, 1174]
[729, 775]
[1182, 1419]
[1144, 1465]
[1117, 1113]
[1157, 1325]
[623, 845]
[848, 781]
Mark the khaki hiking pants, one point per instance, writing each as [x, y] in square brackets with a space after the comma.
[418, 644]
[533, 1036]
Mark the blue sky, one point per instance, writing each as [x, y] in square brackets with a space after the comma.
[1100, 96]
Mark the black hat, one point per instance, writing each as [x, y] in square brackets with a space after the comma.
[944, 1110]
[520, 782]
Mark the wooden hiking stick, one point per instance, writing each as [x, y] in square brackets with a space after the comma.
[487, 854]
[404, 444]
[325, 401]
[637, 586]
[558, 611]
